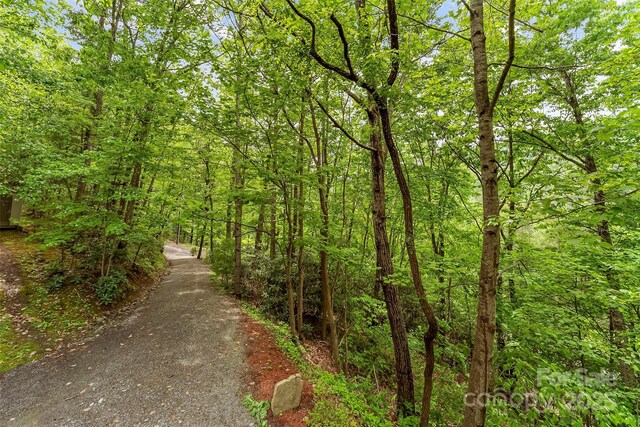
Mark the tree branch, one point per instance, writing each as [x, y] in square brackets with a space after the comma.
[526, 24]
[531, 169]
[512, 47]
[312, 49]
[442, 30]
[546, 144]
[339, 126]
[345, 44]
[392, 16]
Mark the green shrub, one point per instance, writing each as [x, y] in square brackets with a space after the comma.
[55, 276]
[329, 413]
[111, 288]
[55, 283]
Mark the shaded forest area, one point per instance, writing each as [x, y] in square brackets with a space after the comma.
[444, 192]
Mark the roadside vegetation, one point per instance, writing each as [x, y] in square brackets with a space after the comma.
[43, 306]
[444, 193]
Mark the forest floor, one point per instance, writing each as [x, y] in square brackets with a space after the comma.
[176, 358]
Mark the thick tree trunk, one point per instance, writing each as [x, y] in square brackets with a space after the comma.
[482, 354]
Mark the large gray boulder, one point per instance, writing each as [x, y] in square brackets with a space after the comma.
[287, 394]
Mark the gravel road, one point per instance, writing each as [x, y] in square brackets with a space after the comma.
[177, 359]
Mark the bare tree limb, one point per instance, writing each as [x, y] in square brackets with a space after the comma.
[578, 162]
[531, 169]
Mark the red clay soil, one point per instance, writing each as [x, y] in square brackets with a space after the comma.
[268, 365]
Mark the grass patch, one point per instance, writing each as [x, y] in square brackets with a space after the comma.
[48, 315]
[57, 313]
[15, 350]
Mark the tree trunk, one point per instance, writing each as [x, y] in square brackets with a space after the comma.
[237, 234]
[238, 184]
[300, 260]
[482, 354]
[405, 401]
[299, 208]
[427, 311]
[272, 228]
[259, 229]
[287, 265]
[327, 314]
[204, 231]
[229, 222]
[616, 318]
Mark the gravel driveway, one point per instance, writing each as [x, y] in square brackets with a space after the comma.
[177, 359]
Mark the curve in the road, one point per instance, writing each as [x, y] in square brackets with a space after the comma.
[178, 359]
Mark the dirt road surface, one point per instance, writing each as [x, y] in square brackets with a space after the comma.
[177, 359]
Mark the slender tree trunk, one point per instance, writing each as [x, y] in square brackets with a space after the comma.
[616, 318]
[327, 315]
[405, 400]
[229, 221]
[133, 184]
[300, 261]
[300, 225]
[259, 229]
[287, 264]
[209, 209]
[427, 311]
[272, 227]
[204, 231]
[237, 235]
[96, 110]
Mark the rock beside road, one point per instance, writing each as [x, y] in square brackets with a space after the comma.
[287, 394]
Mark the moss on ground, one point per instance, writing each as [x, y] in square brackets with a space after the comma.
[15, 350]
[45, 317]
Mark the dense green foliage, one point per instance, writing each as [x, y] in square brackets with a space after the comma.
[125, 123]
